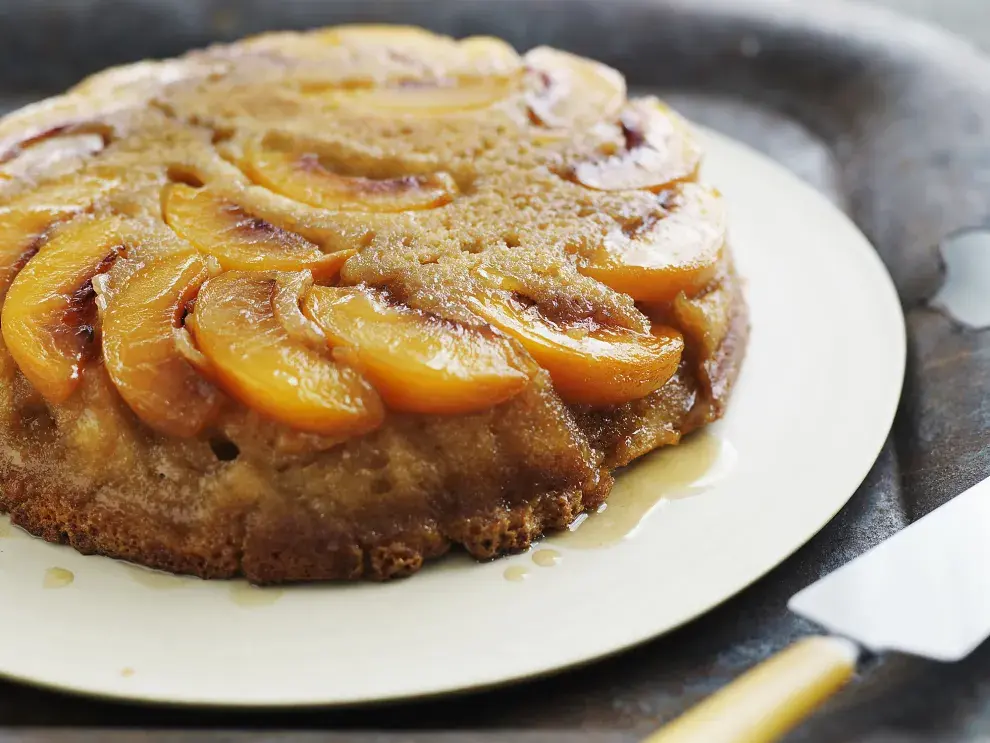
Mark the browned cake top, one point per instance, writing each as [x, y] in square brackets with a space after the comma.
[329, 226]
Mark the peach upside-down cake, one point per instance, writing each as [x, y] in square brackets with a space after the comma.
[323, 305]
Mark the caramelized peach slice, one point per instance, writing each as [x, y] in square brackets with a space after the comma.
[21, 232]
[484, 54]
[434, 98]
[674, 251]
[290, 289]
[706, 319]
[25, 222]
[48, 317]
[139, 348]
[416, 73]
[417, 362]
[240, 241]
[660, 151]
[255, 360]
[303, 177]
[475, 73]
[488, 55]
[377, 35]
[591, 365]
[572, 90]
[51, 156]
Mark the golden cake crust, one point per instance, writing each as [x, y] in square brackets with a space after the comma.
[229, 280]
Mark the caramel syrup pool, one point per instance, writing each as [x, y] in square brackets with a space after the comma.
[515, 574]
[58, 578]
[546, 558]
[698, 463]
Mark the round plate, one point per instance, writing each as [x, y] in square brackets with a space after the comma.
[811, 410]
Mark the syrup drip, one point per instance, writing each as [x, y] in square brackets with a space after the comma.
[546, 558]
[516, 573]
[57, 578]
[696, 465]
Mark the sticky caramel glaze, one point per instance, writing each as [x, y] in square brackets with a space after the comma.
[473, 190]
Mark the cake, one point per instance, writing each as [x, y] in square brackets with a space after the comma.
[324, 305]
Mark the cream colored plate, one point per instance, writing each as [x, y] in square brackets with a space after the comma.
[810, 413]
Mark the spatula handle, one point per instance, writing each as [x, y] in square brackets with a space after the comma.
[770, 699]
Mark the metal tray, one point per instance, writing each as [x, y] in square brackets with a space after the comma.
[890, 118]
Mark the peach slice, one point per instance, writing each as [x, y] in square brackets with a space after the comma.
[489, 55]
[25, 221]
[660, 151]
[483, 54]
[139, 348]
[590, 365]
[572, 90]
[303, 177]
[658, 258]
[51, 156]
[705, 319]
[433, 98]
[377, 35]
[21, 232]
[417, 362]
[290, 290]
[48, 319]
[239, 241]
[255, 360]
[416, 73]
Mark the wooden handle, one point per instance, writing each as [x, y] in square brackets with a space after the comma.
[767, 701]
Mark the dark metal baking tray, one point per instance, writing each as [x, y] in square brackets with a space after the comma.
[890, 118]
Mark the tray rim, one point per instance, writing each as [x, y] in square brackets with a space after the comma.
[735, 7]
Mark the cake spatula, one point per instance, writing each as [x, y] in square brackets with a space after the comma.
[925, 591]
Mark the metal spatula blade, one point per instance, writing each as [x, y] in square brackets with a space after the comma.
[924, 591]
